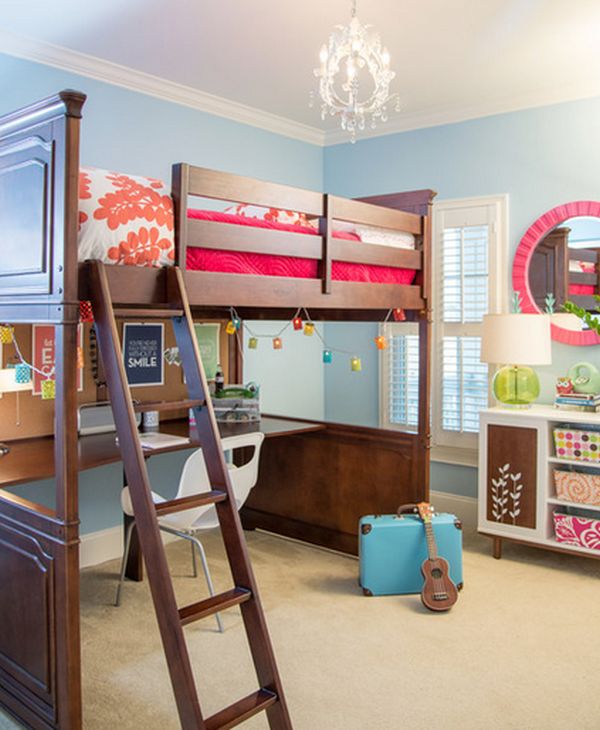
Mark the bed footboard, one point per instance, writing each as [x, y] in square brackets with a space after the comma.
[315, 486]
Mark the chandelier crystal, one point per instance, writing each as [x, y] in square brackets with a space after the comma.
[354, 77]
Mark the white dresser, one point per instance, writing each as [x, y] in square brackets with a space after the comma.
[517, 458]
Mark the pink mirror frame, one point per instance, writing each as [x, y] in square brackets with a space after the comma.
[534, 234]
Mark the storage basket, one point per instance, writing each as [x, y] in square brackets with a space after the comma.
[578, 444]
[576, 486]
[577, 530]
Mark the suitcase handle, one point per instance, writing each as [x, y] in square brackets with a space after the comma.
[405, 509]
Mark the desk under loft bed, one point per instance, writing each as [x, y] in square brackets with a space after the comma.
[42, 281]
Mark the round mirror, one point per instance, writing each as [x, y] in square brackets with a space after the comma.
[558, 259]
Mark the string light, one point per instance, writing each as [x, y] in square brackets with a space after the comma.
[48, 389]
[297, 322]
[22, 373]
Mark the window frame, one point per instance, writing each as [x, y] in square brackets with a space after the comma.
[460, 449]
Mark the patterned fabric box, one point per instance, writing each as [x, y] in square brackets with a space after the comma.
[577, 530]
[572, 443]
[575, 486]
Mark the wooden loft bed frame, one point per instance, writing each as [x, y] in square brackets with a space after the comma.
[367, 469]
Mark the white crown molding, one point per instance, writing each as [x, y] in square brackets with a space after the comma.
[138, 81]
[128, 78]
[435, 118]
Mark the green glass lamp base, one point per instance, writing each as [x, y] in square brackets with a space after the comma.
[516, 386]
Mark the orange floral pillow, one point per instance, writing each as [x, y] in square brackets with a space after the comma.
[273, 215]
[125, 219]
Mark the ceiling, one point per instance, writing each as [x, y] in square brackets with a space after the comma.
[453, 60]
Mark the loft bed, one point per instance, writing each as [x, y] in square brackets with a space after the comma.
[345, 471]
[569, 273]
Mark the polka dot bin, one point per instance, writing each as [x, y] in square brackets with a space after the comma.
[571, 443]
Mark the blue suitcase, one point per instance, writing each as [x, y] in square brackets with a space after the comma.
[392, 549]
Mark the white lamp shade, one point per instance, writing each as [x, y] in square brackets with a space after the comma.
[8, 384]
[516, 339]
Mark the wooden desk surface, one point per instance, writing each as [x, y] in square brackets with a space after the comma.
[32, 459]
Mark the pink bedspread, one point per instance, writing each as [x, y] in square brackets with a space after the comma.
[582, 290]
[237, 262]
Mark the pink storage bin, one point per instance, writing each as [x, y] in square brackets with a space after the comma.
[577, 530]
[578, 487]
[578, 444]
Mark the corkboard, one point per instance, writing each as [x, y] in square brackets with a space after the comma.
[37, 415]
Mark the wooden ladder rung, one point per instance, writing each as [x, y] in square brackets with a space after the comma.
[167, 405]
[194, 500]
[241, 710]
[155, 313]
[214, 604]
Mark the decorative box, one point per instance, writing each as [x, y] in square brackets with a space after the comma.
[573, 443]
[577, 530]
[576, 486]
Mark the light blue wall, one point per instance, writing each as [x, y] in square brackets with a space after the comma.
[139, 134]
[291, 379]
[540, 157]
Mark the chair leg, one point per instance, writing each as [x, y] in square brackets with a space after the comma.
[194, 566]
[128, 535]
[211, 590]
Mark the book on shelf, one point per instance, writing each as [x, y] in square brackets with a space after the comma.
[577, 407]
[587, 398]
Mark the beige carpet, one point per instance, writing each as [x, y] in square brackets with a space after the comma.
[520, 650]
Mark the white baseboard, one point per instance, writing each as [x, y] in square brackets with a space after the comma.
[98, 547]
[465, 508]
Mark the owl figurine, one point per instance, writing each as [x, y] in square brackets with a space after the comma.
[564, 386]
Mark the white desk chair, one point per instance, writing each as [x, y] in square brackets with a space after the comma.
[194, 480]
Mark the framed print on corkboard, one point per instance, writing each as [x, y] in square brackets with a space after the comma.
[143, 346]
[43, 352]
[208, 343]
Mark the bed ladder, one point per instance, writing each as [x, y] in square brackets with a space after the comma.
[171, 618]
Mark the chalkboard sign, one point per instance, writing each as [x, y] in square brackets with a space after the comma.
[143, 353]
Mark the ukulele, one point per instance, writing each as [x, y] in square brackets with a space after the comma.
[439, 592]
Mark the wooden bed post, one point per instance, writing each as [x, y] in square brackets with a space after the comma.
[425, 322]
[180, 192]
[326, 230]
[40, 664]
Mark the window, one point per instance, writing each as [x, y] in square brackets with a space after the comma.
[469, 260]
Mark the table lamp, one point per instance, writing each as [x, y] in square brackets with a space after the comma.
[9, 384]
[516, 341]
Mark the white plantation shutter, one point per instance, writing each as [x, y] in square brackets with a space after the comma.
[400, 376]
[467, 259]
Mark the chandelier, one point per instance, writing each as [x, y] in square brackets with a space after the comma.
[354, 77]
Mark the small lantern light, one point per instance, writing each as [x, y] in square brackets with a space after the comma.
[22, 373]
[6, 334]
[399, 315]
[237, 322]
[253, 343]
[48, 389]
[277, 343]
[309, 329]
[381, 342]
[327, 356]
[355, 364]
[230, 328]
[297, 322]
[85, 312]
